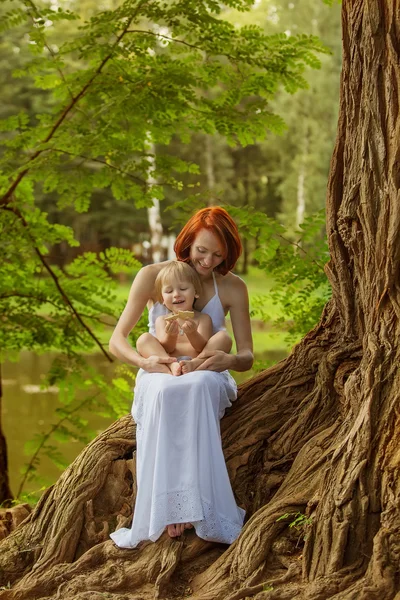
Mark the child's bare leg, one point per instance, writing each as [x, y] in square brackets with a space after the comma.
[148, 345]
[219, 341]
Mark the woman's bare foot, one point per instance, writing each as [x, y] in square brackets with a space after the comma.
[190, 365]
[175, 530]
[176, 368]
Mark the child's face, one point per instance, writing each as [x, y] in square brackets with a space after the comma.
[178, 295]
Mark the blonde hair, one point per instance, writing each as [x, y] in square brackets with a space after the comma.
[180, 271]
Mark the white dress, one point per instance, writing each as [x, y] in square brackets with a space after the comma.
[181, 471]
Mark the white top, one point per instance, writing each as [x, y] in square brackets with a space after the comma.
[213, 308]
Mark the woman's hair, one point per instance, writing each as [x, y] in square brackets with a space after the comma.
[179, 271]
[219, 222]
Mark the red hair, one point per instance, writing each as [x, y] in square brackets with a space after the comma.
[219, 222]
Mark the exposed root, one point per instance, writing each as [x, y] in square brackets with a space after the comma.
[53, 532]
[293, 571]
[169, 563]
[10, 518]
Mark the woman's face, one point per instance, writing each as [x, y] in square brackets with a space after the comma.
[206, 252]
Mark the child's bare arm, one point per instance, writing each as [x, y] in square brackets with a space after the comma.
[167, 333]
[198, 333]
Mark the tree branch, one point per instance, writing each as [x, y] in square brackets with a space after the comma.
[37, 12]
[46, 300]
[102, 162]
[7, 198]
[297, 245]
[59, 287]
[165, 37]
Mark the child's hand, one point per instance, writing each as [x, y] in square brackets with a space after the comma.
[189, 326]
[171, 327]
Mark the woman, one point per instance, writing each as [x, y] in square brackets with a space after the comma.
[181, 472]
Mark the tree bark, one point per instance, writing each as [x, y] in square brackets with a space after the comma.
[316, 434]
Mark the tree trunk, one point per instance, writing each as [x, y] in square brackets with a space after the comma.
[316, 434]
[209, 169]
[5, 491]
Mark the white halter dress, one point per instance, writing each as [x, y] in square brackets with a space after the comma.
[181, 471]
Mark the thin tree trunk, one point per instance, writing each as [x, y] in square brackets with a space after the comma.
[210, 171]
[5, 491]
[153, 212]
[301, 197]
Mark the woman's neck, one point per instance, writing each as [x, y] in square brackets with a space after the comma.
[206, 278]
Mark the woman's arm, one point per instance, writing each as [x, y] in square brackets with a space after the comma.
[240, 318]
[140, 292]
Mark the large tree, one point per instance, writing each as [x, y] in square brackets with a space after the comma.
[315, 434]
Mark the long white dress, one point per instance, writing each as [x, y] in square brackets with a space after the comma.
[181, 471]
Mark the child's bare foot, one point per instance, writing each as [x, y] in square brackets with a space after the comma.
[176, 368]
[190, 365]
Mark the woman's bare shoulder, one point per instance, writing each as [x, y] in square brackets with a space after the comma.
[232, 291]
[232, 282]
[153, 269]
[143, 283]
[149, 273]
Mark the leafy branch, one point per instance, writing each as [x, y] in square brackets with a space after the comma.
[7, 197]
[170, 39]
[58, 285]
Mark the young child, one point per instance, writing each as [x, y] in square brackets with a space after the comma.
[184, 332]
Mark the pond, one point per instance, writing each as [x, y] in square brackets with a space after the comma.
[28, 410]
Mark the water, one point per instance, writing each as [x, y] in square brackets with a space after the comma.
[28, 410]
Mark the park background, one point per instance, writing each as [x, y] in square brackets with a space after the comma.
[47, 416]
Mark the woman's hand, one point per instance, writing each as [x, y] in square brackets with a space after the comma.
[157, 364]
[216, 360]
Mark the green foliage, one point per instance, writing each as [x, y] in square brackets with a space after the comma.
[299, 521]
[267, 587]
[301, 288]
[205, 75]
[115, 83]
